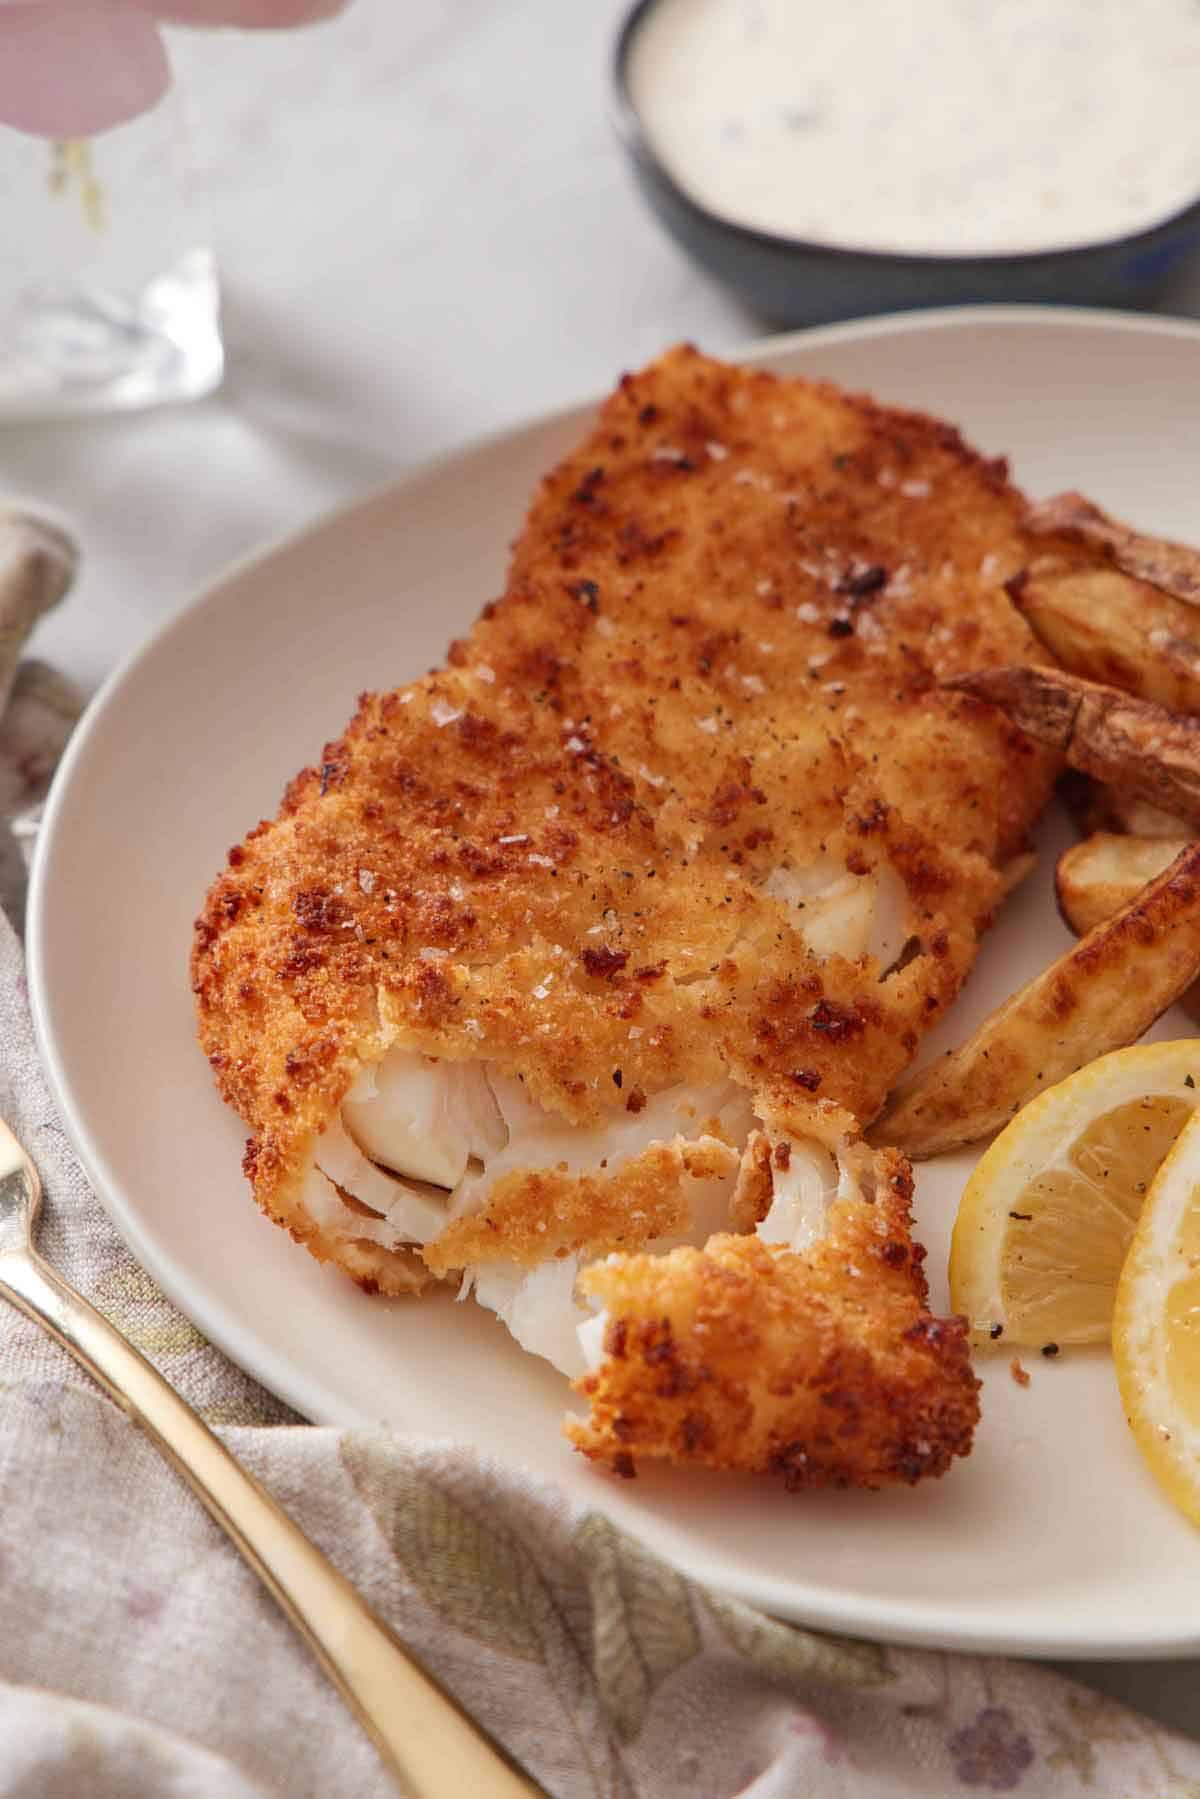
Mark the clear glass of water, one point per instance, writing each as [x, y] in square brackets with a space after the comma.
[108, 289]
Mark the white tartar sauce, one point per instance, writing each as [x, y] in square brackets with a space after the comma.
[926, 126]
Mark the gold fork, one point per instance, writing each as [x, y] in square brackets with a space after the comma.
[422, 1733]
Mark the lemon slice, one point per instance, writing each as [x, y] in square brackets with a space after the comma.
[1156, 1326]
[1046, 1219]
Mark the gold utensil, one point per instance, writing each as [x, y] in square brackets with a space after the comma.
[422, 1733]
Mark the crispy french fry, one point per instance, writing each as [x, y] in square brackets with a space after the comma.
[1152, 753]
[1102, 994]
[1095, 878]
[1099, 623]
[1171, 567]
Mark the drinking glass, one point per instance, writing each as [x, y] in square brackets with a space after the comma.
[108, 288]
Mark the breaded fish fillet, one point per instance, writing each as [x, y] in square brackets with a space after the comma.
[613, 932]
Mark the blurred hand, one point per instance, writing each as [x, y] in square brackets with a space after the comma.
[70, 68]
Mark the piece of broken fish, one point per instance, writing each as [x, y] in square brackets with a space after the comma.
[570, 972]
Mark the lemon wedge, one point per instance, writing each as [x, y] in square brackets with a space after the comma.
[1156, 1326]
[1046, 1220]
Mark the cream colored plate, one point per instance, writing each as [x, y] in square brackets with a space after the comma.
[1051, 1538]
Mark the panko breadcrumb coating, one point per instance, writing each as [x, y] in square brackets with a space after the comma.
[825, 1368]
[661, 878]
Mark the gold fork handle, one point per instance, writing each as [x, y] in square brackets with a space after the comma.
[422, 1733]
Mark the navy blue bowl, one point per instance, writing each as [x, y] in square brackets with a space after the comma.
[794, 282]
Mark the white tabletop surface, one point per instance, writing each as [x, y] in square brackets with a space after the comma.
[426, 230]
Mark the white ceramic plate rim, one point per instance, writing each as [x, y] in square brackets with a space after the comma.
[823, 1606]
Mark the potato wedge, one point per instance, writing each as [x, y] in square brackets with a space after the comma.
[1102, 994]
[1171, 567]
[1095, 807]
[1099, 623]
[1130, 743]
[1095, 878]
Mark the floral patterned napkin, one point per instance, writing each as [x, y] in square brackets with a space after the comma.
[140, 1658]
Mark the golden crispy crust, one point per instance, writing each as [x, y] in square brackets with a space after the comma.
[825, 1367]
[718, 653]
[540, 1213]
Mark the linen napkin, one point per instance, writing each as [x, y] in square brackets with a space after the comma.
[140, 1658]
